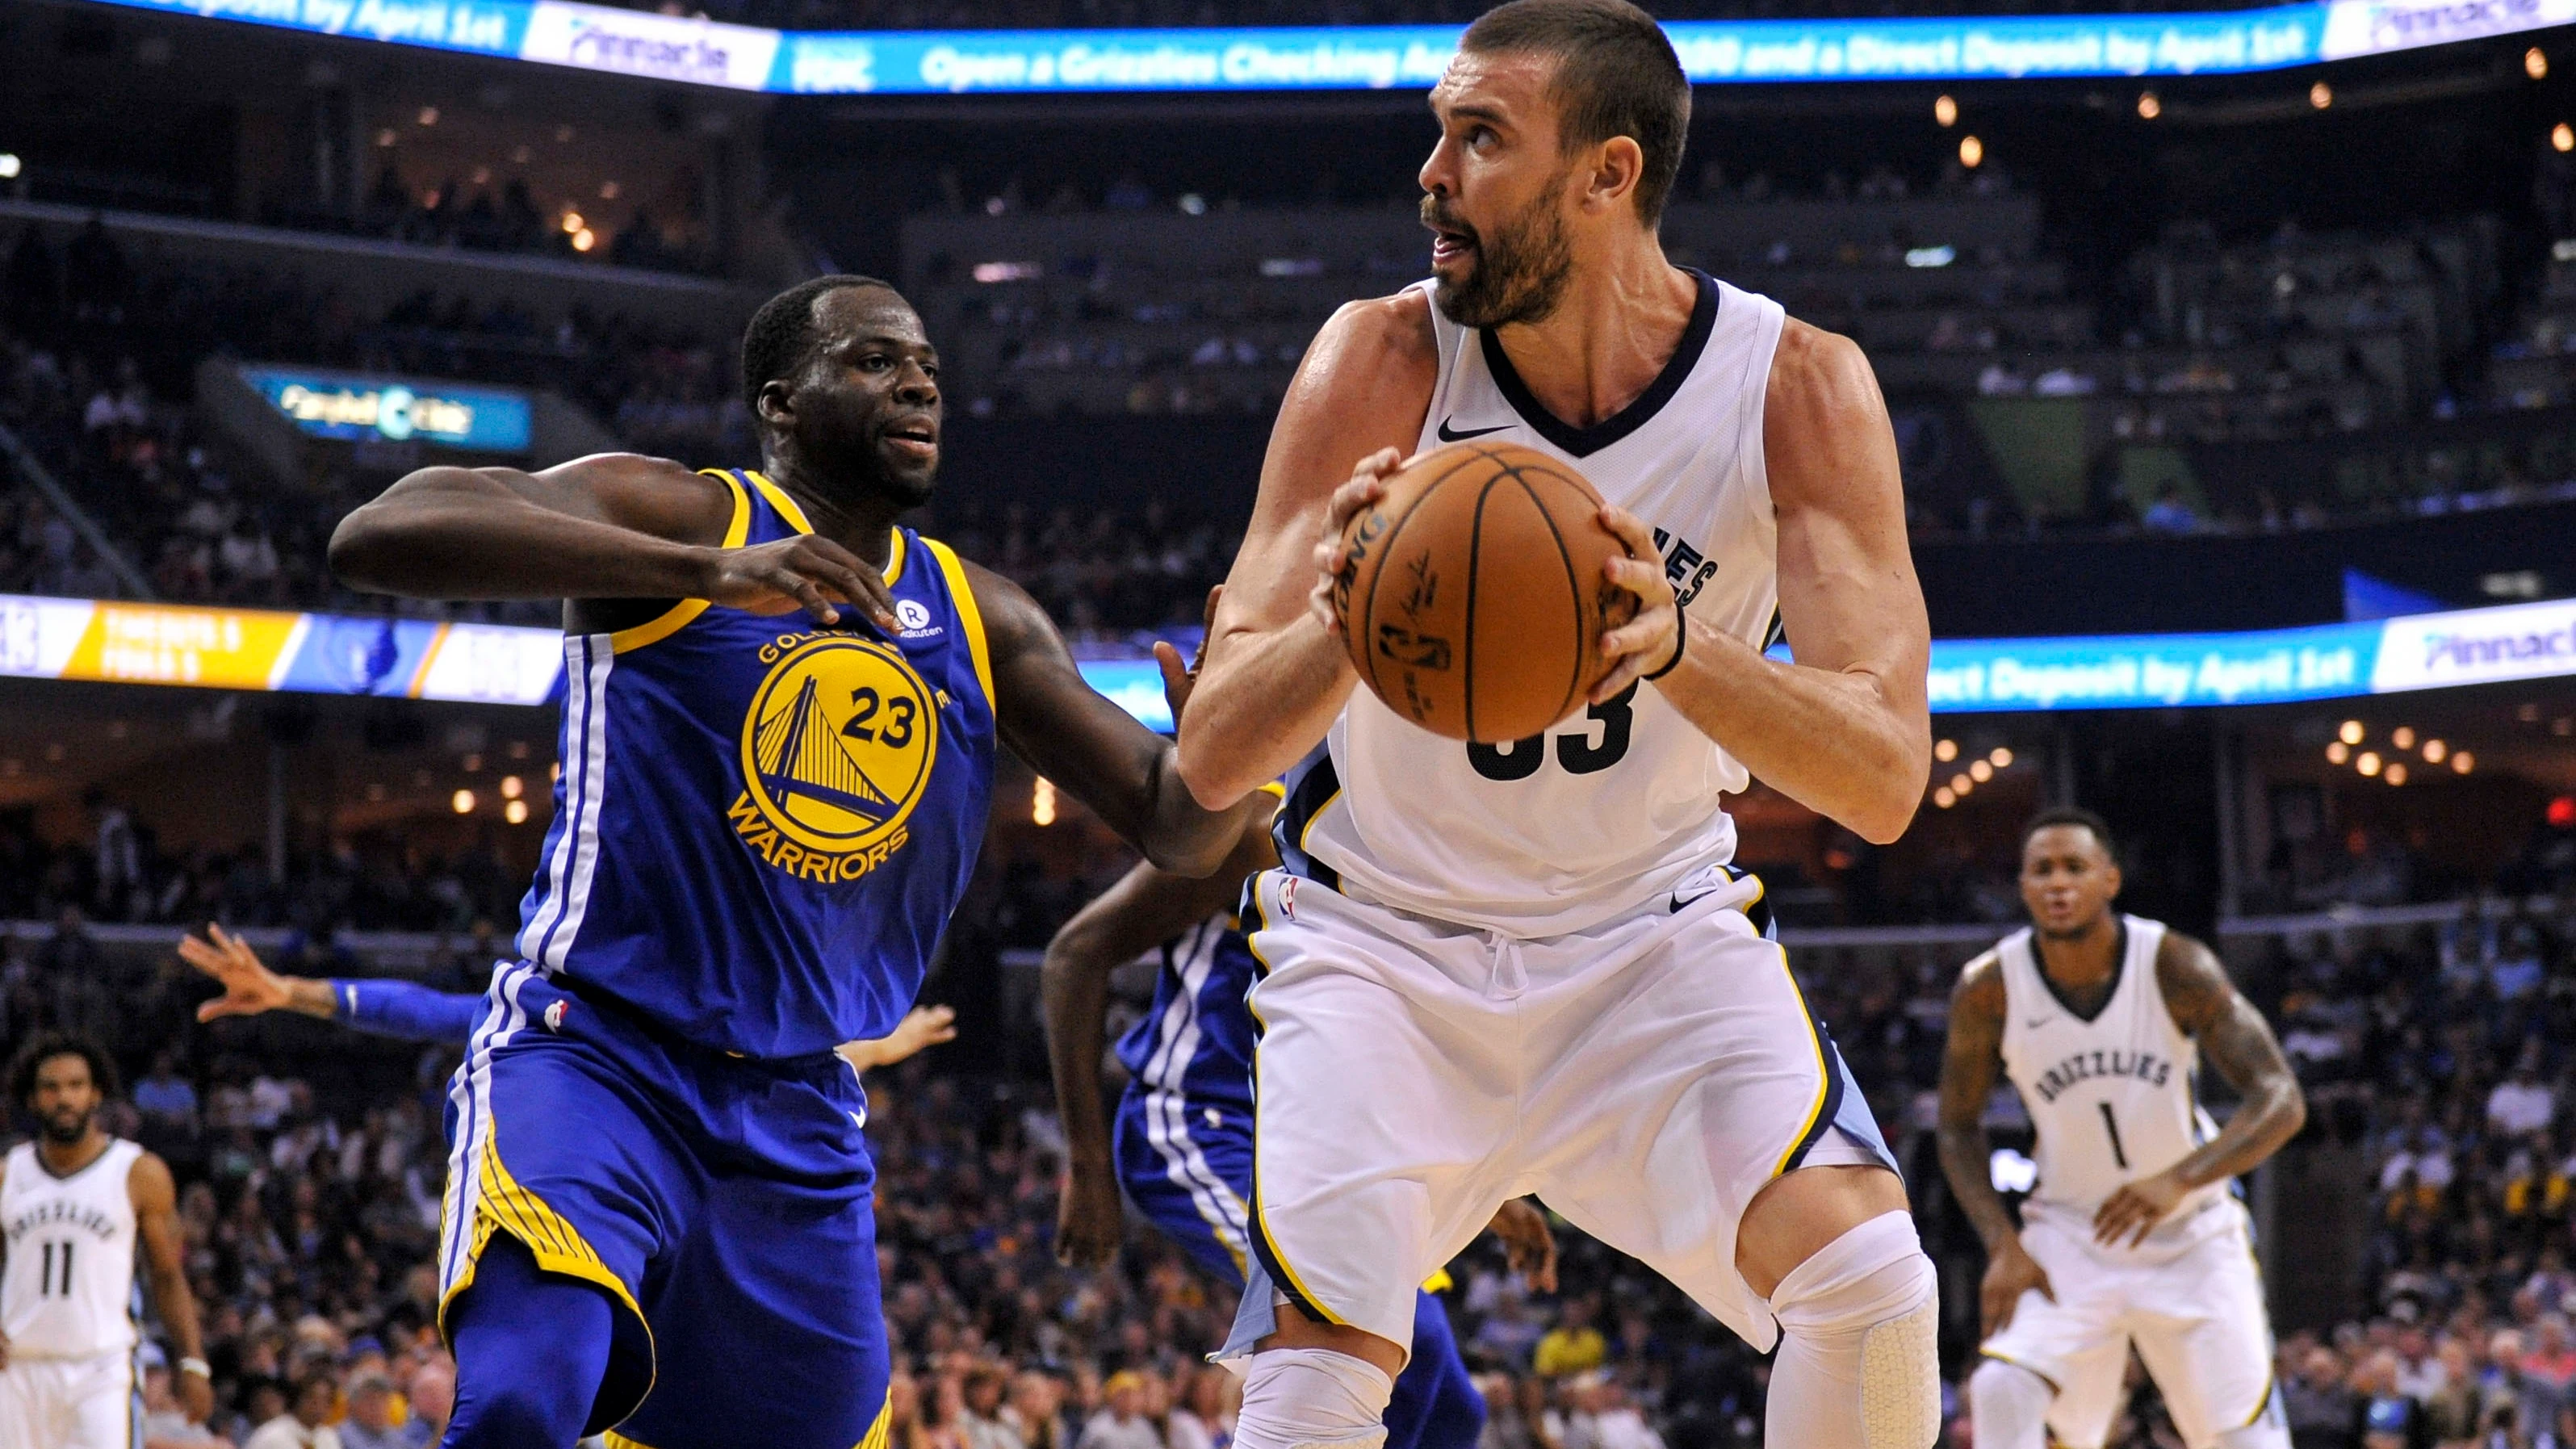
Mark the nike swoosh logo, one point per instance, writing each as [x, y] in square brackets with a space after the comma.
[1447, 435]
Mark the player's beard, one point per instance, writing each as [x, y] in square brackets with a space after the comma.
[65, 1128]
[1518, 271]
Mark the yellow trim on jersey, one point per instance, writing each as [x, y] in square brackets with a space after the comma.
[880, 1433]
[501, 1204]
[2025, 1368]
[2260, 1404]
[615, 1440]
[970, 615]
[795, 517]
[1439, 1282]
[1276, 790]
[1824, 1071]
[670, 621]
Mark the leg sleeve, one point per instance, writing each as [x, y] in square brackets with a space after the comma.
[532, 1355]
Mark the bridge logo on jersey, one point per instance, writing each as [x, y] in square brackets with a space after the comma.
[836, 751]
[2144, 1067]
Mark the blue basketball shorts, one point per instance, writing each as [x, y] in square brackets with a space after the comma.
[722, 1202]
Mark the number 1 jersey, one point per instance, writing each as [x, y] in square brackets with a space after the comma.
[1619, 802]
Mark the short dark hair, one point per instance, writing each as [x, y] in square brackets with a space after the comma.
[22, 1073]
[2071, 815]
[1616, 75]
[781, 334]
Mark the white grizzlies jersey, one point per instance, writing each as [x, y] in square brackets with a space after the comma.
[2111, 1094]
[1619, 802]
[68, 1290]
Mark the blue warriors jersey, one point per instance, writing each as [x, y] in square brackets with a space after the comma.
[1197, 1040]
[762, 823]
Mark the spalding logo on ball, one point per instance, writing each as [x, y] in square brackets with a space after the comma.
[1472, 596]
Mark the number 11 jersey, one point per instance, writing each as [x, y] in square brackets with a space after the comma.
[2110, 1093]
[1618, 804]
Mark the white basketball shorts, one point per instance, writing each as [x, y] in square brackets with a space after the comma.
[71, 1403]
[1645, 1078]
[2196, 1316]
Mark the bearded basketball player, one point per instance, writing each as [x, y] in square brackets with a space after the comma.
[1543, 951]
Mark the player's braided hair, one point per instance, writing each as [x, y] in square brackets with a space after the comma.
[781, 335]
[22, 1072]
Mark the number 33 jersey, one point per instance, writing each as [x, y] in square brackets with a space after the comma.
[1618, 803]
[2111, 1093]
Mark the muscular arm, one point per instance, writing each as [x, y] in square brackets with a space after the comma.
[1144, 909]
[1274, 678]
[1845, 730]
[610, 526]
[156, 1221]
[1069, 733]
[2240, 1044]
[1969, 1063]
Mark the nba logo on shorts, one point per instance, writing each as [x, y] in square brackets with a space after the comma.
[1288, 897]
[555, 1015]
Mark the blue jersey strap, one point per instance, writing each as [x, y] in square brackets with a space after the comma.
[400, 1008]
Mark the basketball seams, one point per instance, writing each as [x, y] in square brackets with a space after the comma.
[1574, 686]
[1475, 549]
[1386, 551]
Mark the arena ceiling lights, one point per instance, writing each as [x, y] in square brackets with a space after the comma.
[738, 57]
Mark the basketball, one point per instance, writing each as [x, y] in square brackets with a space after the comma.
[1471, 595]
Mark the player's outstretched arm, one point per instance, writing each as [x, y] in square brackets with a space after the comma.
[2237, 1041]
[1275, 674]
[1845, 730]
[609, 526]
[1071, 734]
[1144, 909]
[156, 1220]
[385, 1008]
[1969, 1063]
[922, 1028]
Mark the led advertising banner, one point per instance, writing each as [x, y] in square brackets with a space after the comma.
[264, 649]
[260, 649]
[354, 408]
[1713, 52]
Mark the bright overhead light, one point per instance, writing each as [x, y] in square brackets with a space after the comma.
[462, 802]
[516, 812]
[10, 165]
[512, 787]
[2321, 95]
[2396, 772]
[2000, 757]
[572, 222]
[2563, 137]
[2535, 63]
[2350, 732]
[1943, 798]
[1960, 784]
[1945, 750]
[428, 115]
[2368, 764]
[1946, 111]
[2338, 752]
[1042, 802]
[583, 240]
[2434, 750]
[2463, 762]
[2148, 106]
[2403, 737]
[1972, 152]
[1980, 771]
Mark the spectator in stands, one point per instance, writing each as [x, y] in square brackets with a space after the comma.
[2320, 1407]
[370, 1423]
[2171, 512]
[433, 1398]
[2522, 1104]
[306, 1424]
[1121, 1422]
[1573, 1346]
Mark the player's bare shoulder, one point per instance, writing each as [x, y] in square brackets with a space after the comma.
[149, 1183]
[658, 496]
[2193, 981]
[1980, 989]
[1377, 354]
[1822, 398]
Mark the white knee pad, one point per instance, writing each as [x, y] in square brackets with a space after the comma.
[1312, 1398]
[2008, 1405]
[1859, 1364]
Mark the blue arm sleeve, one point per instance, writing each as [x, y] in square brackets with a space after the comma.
[400, 1008]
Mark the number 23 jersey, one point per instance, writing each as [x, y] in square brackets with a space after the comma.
[763, 823]
[1616, 804]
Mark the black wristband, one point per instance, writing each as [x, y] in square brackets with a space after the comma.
[1681, 637]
